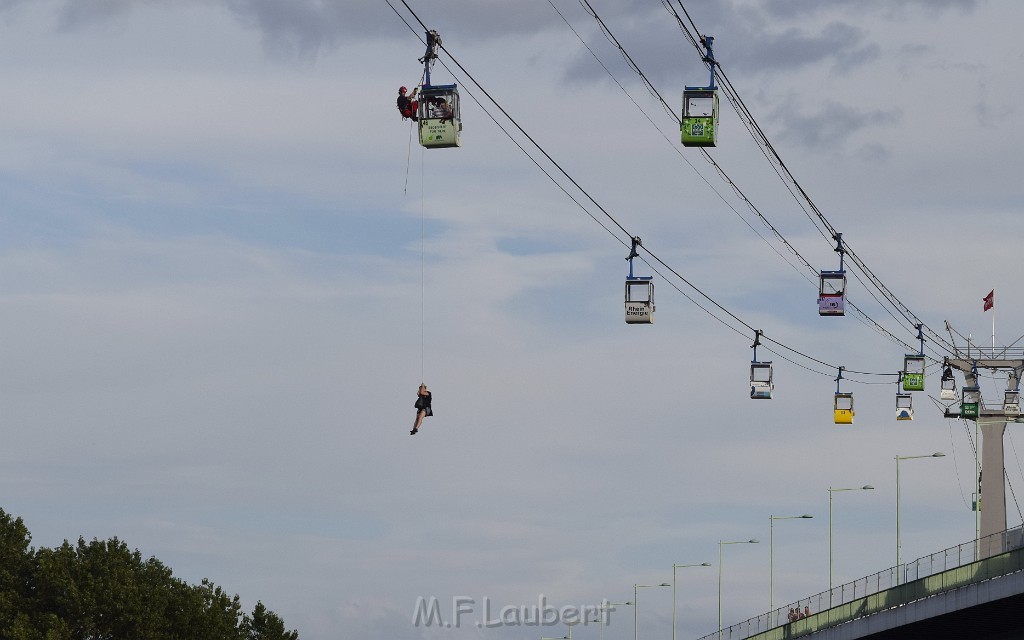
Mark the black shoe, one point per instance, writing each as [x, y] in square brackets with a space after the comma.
[413, 432]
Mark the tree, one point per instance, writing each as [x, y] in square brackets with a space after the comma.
[16, 569]
[102, 590]
[266, 625]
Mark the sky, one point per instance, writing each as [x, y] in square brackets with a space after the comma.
[226, 265]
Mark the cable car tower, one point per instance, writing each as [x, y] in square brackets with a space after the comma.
[440, 120]
[699, 124]
[991, 421]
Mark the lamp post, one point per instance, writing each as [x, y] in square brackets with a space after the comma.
[722, 543]
[832, 490]
[642, 586]
[570, 625]
[899, 558]
[674, 567]
[604, 609]
[771, 554]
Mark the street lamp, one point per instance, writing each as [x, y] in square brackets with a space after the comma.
[674, 567]
[832, 490]
[641, 586]
[720, 545]
[937, 454]
[570, 625]
[605, 607]
[771, 553]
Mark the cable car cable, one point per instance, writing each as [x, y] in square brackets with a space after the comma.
[763, 141]
[611, 37]
[605, 212]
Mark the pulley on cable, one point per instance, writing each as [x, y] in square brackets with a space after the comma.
[440, 120]
[699, 124]
[761, 383]
[843, 405]
[832, 286]
[639, 292]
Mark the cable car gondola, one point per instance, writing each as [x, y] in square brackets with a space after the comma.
[904, 406]
[913, 372]
[439, 115]
[832, 287]
[970, 402]
[843, 403]
[761, 383]
[699, 124]
[1011, 403]
[948, 388]
[843, 408]
[639, 293]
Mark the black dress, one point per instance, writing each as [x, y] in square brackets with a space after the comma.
[423, 404]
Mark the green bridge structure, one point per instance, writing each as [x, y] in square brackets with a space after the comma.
[974, 590]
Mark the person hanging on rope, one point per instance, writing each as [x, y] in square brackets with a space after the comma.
[407, 105]
[423, 409]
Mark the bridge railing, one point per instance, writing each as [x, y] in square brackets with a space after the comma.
[951, 558]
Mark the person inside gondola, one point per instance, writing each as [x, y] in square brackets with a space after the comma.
[423, 398]
[407, 104]
[441, 110]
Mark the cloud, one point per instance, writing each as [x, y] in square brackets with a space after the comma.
[831, 126]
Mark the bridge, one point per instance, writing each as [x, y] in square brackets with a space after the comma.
[973, 590]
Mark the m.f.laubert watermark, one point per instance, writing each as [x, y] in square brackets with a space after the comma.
[483, 613]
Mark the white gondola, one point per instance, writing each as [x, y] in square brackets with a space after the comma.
[1011, 403]
[832, 293]
[761, 383]
[640, 300]
[904, 406]
[440, 120]
[439, 115]
[948, 385]
[639, 292]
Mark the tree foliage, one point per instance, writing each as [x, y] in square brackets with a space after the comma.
[102, 590]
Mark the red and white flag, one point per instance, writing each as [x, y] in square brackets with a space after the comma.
[990, 300]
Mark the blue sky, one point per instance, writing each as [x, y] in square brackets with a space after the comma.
[211, 221]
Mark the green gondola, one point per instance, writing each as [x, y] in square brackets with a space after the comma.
[913, 372]
[699, 123]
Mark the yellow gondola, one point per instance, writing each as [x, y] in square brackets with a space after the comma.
[842, 403]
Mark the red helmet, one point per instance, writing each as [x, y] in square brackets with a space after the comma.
[402, 89]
